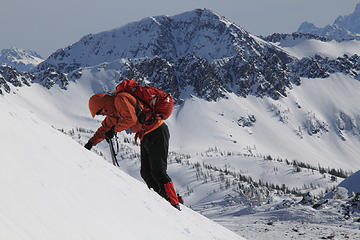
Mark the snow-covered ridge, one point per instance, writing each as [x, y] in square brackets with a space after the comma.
[201, 32]
[197, 50]
[22, 60]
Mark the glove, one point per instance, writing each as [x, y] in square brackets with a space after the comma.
[89, 145]
[109, 134]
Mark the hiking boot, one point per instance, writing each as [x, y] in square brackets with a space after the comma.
[177, 206]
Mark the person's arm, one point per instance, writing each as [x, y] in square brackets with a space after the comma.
[99, 135]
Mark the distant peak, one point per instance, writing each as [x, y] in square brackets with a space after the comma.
[307, 27]
[344, 27]
[206, 11]
[357, 8]
[199, 13]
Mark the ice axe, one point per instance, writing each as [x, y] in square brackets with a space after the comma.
[109, 138]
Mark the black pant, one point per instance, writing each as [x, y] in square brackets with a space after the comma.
[154, 152]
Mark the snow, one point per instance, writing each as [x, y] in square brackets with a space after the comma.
[53, 188]
[23, 60]
[309, 47]
[352, 183]
[277, 123]
[347, 186]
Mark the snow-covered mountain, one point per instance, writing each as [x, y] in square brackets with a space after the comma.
[197, 49]
[201, 33]
[217, 72]
[22, 60]
[344, 27]
[256, 125]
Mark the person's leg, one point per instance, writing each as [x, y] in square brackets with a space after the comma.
[145, 169]
[158, 153]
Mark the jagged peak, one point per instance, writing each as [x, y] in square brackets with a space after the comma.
[357, 8]
[306, 27]
[344, 27]
[18, 51]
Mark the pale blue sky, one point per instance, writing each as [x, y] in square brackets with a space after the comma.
[46, 25]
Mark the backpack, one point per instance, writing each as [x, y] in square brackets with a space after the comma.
[158, 103]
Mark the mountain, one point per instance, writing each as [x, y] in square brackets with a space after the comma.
[197, 49]
[170, 38]
[344, 27]
[350, 22]
[22, 60]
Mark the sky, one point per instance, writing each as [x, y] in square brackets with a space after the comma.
[47, 25]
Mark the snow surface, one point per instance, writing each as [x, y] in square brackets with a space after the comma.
[309, 47]
[347, 186]
[352, 183]
[277, 123]
[53, 188]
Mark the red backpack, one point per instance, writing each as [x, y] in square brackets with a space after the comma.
[159, 103]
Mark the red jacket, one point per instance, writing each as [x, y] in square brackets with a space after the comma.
[121, 114]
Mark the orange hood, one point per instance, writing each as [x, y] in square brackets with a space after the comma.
[101, 101]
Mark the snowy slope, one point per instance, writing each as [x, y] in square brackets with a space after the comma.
[53, 188]
[347, 186]
[309, 47]
[282, 128]
[352, 183]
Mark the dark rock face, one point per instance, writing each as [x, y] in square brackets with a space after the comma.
[10, 77]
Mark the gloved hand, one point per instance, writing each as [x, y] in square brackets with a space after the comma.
[89, 145]
[109, 134]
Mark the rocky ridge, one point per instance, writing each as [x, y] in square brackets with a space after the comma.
[197, 50]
